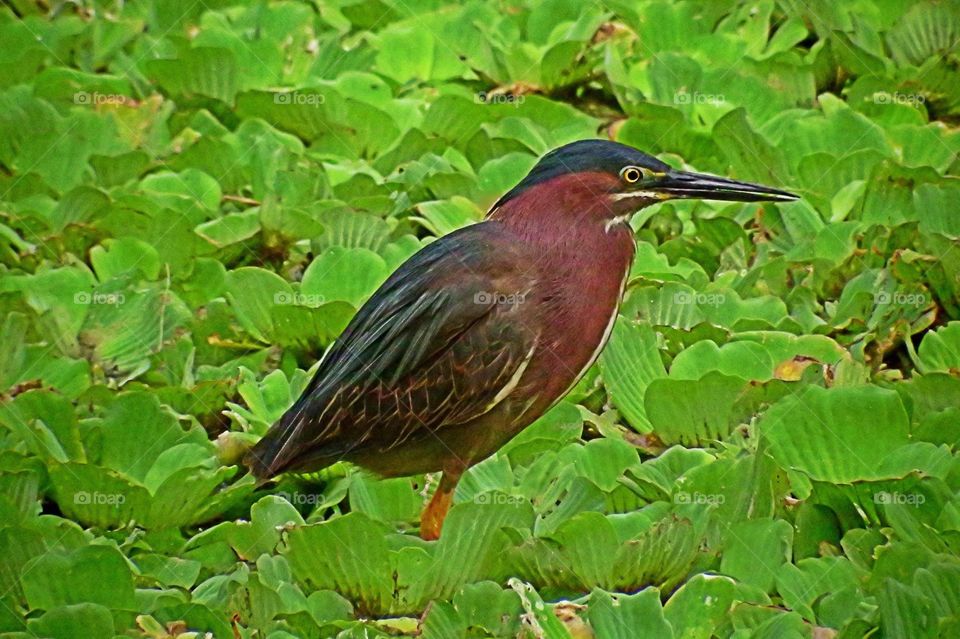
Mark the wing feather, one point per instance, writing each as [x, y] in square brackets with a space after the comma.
[436, 345]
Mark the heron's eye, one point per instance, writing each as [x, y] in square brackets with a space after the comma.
[631, 174]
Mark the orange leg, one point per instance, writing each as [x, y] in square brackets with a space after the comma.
[431, 520]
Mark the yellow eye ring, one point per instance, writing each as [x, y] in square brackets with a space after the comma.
[631, 174]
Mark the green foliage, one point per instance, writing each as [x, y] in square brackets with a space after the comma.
[196, 197]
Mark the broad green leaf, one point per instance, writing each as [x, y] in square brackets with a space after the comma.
[698, 607]
[471, 546]
[351, 229]
[443, 216]
[706, 409]
[269, 517]
[926, 30]
[125, 326]
[61, 578]
[542, 621]
[348, 554]
[169, 571]
[820, 432]
[626, 616]
[117, 257]
[905, 611]
[254, 293]
[59, 296]
[343, 275]
[203, 71]
[755, 549]
[629, 363]
[230, 229]
[940, 350]
[190, 185]
[62, 622]
[748, 360]
[392, 501]
[45, 424]
[752, 157]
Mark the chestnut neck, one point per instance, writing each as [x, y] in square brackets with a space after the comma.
[568, 213]
[569, 203]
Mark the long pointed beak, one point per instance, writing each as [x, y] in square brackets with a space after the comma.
[683, 184]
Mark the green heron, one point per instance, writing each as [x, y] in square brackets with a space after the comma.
[482, 331]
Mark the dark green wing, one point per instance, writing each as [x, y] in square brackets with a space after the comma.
[436, 345]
